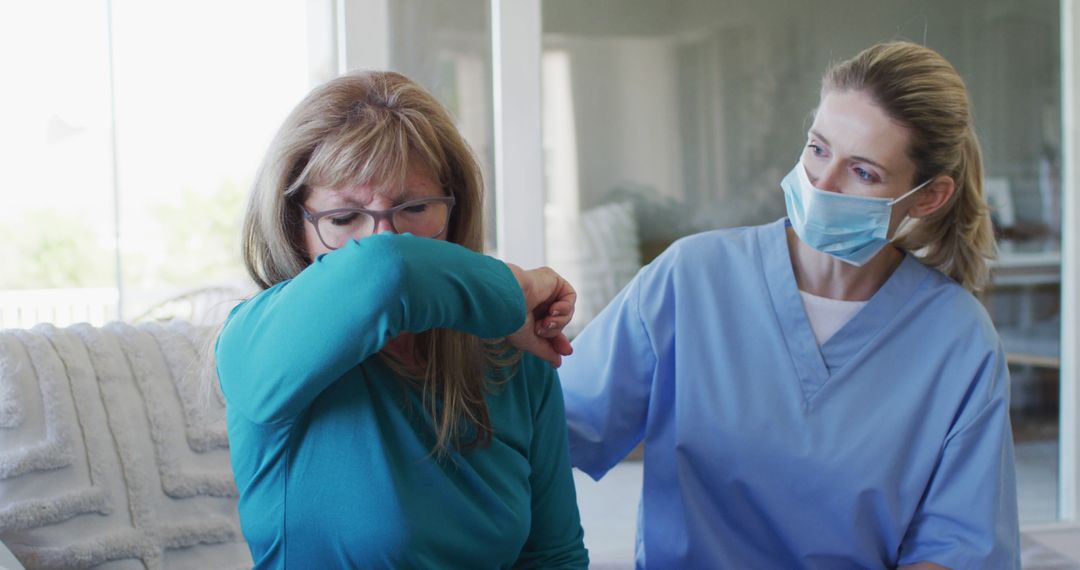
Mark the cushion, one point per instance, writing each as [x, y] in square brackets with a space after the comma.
[597, 251]
[111, 454]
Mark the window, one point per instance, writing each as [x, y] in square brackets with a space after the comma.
[445, 46]
[661, 121]
[129, 192]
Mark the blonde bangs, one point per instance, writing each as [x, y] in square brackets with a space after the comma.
[373, 150]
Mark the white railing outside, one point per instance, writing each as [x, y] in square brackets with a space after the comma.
[62, 307]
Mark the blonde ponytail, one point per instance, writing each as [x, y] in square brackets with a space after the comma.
[957, 239]
[918, 88]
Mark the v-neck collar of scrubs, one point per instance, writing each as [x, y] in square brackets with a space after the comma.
[815, 365]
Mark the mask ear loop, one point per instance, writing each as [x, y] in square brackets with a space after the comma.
[913, 190]
[908, 221]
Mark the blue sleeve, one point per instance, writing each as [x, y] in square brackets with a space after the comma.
[968, 516]
[556, 539]
[607, 383]
[283, 347]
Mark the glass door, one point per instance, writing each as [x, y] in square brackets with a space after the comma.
[665, 119]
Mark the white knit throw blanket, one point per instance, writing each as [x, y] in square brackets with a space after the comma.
[111, 449]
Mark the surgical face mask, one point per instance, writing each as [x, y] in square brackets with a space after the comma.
[850, 228]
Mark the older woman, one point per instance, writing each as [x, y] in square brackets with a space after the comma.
[823, 391]
[377, 417]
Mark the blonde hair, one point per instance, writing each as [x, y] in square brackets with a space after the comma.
[919, 89]
[370, 128]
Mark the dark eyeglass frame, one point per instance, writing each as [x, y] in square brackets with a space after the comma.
[379, 215]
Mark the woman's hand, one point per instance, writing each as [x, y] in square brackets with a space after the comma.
[549, 306]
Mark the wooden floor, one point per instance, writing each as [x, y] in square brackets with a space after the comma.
[1052, 547]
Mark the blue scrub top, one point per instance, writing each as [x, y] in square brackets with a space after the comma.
[889, 444]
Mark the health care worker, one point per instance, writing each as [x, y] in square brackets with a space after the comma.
[823, 391]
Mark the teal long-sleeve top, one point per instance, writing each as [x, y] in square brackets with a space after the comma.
[331, 450]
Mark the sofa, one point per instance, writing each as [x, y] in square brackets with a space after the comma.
[113, 449]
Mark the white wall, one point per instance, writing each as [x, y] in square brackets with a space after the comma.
[644, 78]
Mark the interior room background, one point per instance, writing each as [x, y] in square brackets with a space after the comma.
[132, 130]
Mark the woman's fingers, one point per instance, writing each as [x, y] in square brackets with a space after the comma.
[563, 298]
[552, 326]
[556, 310]
[544, 287]
[562, 308]
[561, 345]
[527, 340]
[554, 319]
[550, 301]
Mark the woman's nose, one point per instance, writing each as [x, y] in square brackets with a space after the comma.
[384, 225]
[828, 179]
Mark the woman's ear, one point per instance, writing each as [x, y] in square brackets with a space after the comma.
[933, 197]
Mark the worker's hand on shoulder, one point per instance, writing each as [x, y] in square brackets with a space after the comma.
[549, 307]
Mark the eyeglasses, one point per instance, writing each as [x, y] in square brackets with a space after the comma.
[426, 217]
